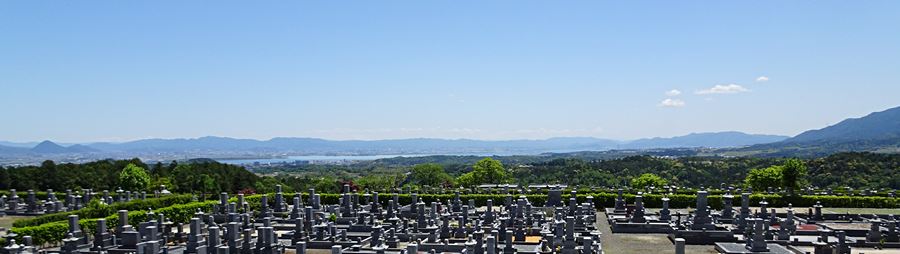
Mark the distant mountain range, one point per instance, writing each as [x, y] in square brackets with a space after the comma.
[47, 147]
[884, 125]
[50, 147]
[322, 146]
[711, 140]
[397, 146]
[876, 132]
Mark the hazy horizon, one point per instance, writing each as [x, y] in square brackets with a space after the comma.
[75, 72]
[269, 138]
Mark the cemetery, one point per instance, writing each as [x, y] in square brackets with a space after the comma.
[450, 127]
[492, 220]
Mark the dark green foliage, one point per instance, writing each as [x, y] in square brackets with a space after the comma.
[430, 174]
[793, 173]
[857, 170]
[687, 171]
[210, 177]
[267, 184]
[99, 175]
[379, 182]
[202, 176]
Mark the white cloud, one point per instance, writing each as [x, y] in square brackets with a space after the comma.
[672, 103]
[724, 89]
[673, 92]
[762, 79]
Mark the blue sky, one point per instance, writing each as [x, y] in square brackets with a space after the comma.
[122, 70]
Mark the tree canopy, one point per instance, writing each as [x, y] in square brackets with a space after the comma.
[856, 170]
[180, 177]
[430, 174]
[763, 178]
[485, 171]
[647, 180]
[793, 175]
[134, 178]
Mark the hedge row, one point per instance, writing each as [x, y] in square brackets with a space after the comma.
[687, 191]
[716, 201]
[602, 200]
[103, 211]
[52, 233]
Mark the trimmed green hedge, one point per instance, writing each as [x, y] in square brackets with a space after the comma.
[103, 211]
[606, 199]
[715, 201]
[52, 233]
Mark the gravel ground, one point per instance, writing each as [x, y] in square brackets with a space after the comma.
[7, 221]
[641, 243]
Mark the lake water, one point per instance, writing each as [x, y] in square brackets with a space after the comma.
[320, 158]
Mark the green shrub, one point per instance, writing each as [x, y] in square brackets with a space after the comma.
[607, 199]
[52, 233]
[106, 210]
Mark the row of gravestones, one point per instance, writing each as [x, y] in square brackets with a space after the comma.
[549, 188]
[430, 227]
[157, 236]
[414, 223]
[755, 227]
[31, 205]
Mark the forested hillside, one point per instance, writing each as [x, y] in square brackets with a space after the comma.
[193, 176]
[856, 170]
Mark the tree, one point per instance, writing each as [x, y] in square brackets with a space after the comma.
[484, 171]
[266, 185]
[467, 179]
[206, 184]
[793, 173]
[763, 178]
[429, 174]
[646, 180]
[4, 179]
[183, 180]
[134, 178]
[380, 182]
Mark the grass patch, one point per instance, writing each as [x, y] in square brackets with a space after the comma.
[7, 221]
